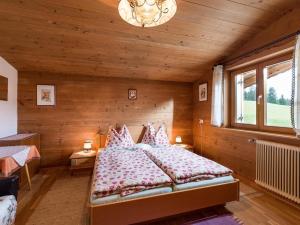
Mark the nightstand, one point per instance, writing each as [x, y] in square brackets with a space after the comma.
[82, 161]
[186, 147]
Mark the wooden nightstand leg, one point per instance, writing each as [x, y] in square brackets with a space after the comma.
[28, 176]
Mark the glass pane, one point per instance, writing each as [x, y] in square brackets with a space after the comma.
[245, 101]
[278, 88]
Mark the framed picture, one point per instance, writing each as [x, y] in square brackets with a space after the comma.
[203, 92]
[132, 94]
[3, 88]
[45, 95]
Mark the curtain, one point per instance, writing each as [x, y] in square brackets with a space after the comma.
[295, 101]
[217, 111]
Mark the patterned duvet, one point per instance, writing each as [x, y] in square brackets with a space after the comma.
[184, 166]
[126, 172]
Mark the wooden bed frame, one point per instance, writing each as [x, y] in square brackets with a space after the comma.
[163, 205]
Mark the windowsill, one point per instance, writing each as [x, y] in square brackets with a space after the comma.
[265, 133]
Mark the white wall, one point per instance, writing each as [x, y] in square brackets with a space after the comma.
[8, 109]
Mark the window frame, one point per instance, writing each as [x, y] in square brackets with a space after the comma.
[233, 74]
[261, 109]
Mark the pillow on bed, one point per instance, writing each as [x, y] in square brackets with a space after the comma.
[156, 139]
[113, 139]
[126, 137]
[149, 136]
[120, 139]
[161, 138]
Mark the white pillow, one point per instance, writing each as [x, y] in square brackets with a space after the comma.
[157, 138]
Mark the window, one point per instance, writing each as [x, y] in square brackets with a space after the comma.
[261, 96]
[278, 89]
[245, 97]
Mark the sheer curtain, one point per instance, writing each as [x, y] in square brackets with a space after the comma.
[295, 101]
[217, 110]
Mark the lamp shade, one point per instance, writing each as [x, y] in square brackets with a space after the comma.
[87, 145]
[147, 13]
[178, 139]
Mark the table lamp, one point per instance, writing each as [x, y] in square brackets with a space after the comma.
[178, 140]
[87, 146]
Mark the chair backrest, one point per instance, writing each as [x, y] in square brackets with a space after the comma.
[9, 186]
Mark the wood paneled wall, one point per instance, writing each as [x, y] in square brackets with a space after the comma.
[287, 24]
[87, 105]
[230, 146]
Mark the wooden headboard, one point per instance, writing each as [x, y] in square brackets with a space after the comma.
[136, 131]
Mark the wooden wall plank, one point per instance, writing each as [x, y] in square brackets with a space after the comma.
[227, 146]
[90, 38]
[87, 105]
[231, 147]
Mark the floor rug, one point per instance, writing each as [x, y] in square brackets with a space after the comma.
[218, 220]
[218, 215]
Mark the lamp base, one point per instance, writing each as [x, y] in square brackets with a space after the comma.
[87, 150]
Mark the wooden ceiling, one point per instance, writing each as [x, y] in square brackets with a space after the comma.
[87, 37]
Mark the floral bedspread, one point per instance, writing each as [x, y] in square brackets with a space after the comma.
[8, 209]
[184, 166]
[126, 172]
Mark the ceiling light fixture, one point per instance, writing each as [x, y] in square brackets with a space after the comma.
[147, 13]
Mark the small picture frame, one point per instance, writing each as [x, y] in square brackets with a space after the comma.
[3, 88]
[203, 92]
[46, 95]
[132, 94]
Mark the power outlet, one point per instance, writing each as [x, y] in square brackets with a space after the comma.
[201, 121]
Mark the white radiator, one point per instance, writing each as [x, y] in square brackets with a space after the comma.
[278, 168]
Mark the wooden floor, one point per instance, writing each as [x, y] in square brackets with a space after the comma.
[60, 199]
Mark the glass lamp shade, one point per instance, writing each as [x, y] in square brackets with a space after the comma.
[87, 145]
[178, 140]
[147, 13]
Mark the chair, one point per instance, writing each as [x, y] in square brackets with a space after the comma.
[9, 187]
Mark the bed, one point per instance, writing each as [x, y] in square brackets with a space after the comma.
[184, 166]
[125, 172]
[160, 200]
